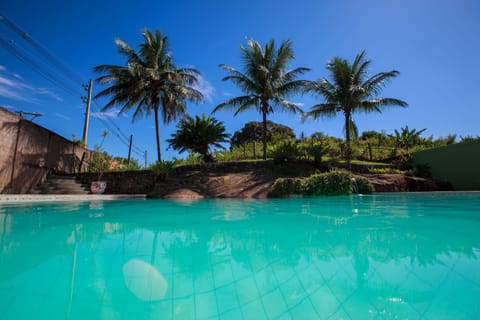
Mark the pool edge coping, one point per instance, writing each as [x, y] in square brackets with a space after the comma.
[21, 198]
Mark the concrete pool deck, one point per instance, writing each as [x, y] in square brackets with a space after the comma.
[18, 198]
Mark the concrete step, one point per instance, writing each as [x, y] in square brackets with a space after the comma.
[56, 184]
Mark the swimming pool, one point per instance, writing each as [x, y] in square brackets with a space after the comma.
[394, 256]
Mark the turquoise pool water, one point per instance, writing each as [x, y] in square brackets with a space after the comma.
[396, 256]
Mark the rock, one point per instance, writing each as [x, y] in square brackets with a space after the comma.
[402, 183]
[183, 193]
[242, 180]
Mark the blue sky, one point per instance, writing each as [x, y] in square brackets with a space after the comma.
[433, 43]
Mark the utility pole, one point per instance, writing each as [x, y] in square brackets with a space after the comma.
[145, 158]
[130, 150]
[87, 99]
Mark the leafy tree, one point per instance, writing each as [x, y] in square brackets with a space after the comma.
[407, 138]
[375, 137]
[149, 82]
[123, 163]
[197, 134]
[252, 131]
[100, 160]
[350, 91]
[265, 81]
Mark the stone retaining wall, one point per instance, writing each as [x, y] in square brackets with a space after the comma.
[128, 182]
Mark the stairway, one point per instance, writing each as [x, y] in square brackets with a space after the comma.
[58, 184]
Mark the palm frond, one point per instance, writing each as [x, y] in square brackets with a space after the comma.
[323, 110]
[375, 83]
[288, 106]
[149, 81]
[242, 103]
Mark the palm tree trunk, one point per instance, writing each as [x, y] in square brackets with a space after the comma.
[347, 139]
[157, 133]
[264, 133]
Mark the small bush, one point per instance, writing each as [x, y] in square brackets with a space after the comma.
[99, 163]
[330, 183]
[165, 168]
[314, 150]
[385, 170]
[363, 186]
[191, 159]
[284, 187]
[285, 151]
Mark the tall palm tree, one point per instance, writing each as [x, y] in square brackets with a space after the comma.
[150, 81]
[197, 134]
[351, 91]
[265, 81]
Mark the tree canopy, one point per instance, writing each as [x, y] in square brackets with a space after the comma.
[198, 135]
[149, 82]
[265, 81]
[350, 91]
[252, 131]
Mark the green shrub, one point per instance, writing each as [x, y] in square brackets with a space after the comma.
[99, 163]
[284, 187]
[314, 150]
[363, 186]
[330, 183]
[385, 170]
[285, 151]
[192, 158]
[165, 168]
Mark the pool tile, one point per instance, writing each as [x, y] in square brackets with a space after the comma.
[304, 310]
[206, 306]
[227, 298]
[254, 310]
[247, 290]
[184, 309]
[204, 282]
[183, 285]
[222, 275]
[239, 271]
[282, 272]
[235, 314]
[266, 282]
[274, 304]
[324, 302]
[293, 291]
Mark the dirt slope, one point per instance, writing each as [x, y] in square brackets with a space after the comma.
[253, 180]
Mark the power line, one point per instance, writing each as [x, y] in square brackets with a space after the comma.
[50, 57]
[15, 49]
[9, 45]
